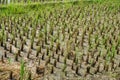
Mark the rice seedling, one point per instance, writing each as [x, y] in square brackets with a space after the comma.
[29, 76]
[2, 59]
[11, 76]
[40, 70]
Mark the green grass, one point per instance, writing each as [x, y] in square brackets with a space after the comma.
[9, 60]
[21, 8]
[22, 70]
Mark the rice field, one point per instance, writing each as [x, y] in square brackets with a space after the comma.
[62, 41]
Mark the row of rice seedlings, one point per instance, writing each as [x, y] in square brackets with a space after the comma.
[61, 41]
